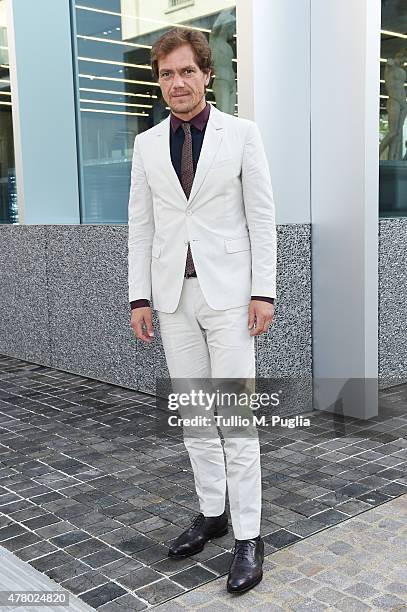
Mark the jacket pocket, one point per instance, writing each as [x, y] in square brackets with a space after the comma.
[233, 245]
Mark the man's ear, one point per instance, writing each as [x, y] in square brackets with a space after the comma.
[208, 78]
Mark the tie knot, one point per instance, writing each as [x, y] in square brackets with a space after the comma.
[186, 127]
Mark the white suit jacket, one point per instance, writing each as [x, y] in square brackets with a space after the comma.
[229, 217]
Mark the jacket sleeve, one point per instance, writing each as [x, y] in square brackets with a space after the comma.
[260, 214]
[140, 230]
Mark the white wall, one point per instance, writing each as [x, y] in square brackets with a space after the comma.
[345, 60]
[273, 51]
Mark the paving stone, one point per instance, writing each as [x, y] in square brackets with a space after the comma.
[68, 570]
[308, 605]
[86, 547]
[325, 557]
[20, 541]
[372, 577]
[72, 537]
[120, 567]
[310, 569]
[152, 554]
[55, 529]
[125, 603]
[217, 605]
[304, 585]
[128, 540]
[35, 550]
[267, 607]
[339, 547]
[210, 550]
[335, 578]
[305, 527]
[102, 594]
[351, 604]
[327, 595]
[159, 591]
[193, 576]
[389, 602]
[51, 561]
[286, 575]
[362, 590]
[220, 564]
[189, 601]
[139, 578]
[281, 538]
[102, 557]
[84, 582]
[170, 566]
[398, 588]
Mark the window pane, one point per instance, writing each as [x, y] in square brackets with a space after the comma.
[393, 110]
[118, 97]
[8, 193]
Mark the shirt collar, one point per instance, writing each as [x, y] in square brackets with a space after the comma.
[199, 121]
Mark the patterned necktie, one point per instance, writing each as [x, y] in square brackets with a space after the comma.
[187, 178]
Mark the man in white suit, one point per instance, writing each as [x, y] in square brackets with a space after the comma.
[202, 245]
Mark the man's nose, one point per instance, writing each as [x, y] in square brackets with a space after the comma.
[178, 81]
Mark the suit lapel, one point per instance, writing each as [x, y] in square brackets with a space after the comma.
[210, 145]
[163, 156]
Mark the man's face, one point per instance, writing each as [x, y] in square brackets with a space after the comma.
[182, 81]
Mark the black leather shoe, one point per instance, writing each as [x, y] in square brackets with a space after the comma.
[195, 537]
[247, 566]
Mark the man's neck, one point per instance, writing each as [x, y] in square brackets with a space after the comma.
[191, 114]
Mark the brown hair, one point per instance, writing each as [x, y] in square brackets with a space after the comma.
[176, 38]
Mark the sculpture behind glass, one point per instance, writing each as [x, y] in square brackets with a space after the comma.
[395, 77]
[224, 83]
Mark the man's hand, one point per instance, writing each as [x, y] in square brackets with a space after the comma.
[262, 313]
[142, 317]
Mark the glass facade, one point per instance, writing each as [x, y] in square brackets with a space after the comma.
[117, 96]
[8, 193]
[393, 110]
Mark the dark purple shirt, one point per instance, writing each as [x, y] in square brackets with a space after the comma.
[176, 141]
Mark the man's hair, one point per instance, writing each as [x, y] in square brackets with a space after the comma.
[177, 37]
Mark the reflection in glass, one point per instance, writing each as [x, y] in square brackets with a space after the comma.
[393, 110]
[8, 193]
[221, 43]
[118, 97]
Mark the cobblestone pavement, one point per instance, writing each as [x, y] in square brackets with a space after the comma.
[357, 565]
[92, 491]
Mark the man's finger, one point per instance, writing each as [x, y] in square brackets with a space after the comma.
[140, 322]
[259, 326]
[148, 320]
[250, 321]
[266, 326]
[141, 333]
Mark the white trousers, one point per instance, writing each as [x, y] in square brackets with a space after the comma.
[200, 342]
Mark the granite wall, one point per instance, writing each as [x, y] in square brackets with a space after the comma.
[64, 304]
[392, 301]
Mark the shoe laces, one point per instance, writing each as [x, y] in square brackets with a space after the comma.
[198, 521]
[242, 548]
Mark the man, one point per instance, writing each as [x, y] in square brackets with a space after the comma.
[202, 244]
